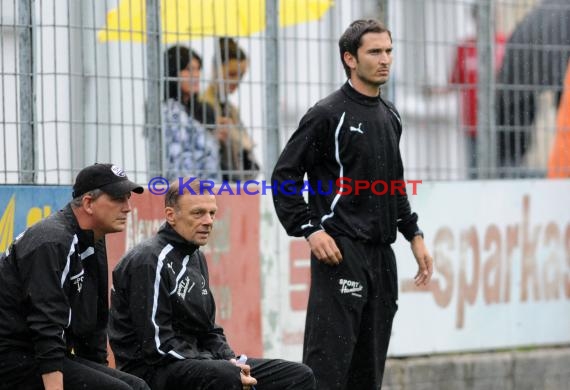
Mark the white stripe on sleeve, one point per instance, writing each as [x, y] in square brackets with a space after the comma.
[341, 172]
[159, 266]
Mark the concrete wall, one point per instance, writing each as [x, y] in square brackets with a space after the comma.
[542, 369]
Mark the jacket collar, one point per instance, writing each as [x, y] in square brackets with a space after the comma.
[352, 93]
[167, 233]
[85, 237]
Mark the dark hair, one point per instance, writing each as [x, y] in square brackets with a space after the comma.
[173, 194]
[96, 193]
[230, 50]
[176, 58]
[351, 39]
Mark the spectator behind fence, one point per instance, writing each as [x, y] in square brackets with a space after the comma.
[353, 133]
[463, 78]
[163, 315]
[191, 148]
[54, 292]
[237, 158]
[535, 60]
[559, 161]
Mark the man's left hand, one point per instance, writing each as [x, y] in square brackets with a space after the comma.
[424, 260]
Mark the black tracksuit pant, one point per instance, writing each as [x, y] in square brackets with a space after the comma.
[349, 316]
[271, 374]
[19, 371]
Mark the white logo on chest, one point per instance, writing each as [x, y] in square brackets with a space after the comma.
[78, 283]
[204, 289]
[357, 129]
[184, 287]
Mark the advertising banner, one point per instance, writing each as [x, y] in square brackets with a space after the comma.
[22, 206]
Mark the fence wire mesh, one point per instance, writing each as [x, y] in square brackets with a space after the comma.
[478, 84]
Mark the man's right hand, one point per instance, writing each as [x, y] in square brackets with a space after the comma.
[324, 248]
[246, 379]
[53, 380]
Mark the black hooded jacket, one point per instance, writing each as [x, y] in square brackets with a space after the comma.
[162, 309]
[54, 293]
[356, 137]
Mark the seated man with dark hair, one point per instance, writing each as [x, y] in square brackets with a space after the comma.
[162, 326]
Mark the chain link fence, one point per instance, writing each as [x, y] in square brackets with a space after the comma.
[478, 84]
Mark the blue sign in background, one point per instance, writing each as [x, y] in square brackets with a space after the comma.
[22, 206]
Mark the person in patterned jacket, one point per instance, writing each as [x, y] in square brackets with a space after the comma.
[191, 148]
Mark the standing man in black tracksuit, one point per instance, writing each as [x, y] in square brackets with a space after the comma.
[162, 324]
[54, 292]
[350, 223]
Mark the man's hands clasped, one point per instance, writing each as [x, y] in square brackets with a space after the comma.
[247, 380]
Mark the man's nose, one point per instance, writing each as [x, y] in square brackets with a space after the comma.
[127, 207]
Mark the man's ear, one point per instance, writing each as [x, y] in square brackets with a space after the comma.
[349, 60]
[87, 204]
[170, 215]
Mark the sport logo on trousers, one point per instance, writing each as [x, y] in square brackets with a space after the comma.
[350, 287]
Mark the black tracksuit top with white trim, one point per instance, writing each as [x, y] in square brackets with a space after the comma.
[162, 308]
[348, 135]
[54, 293]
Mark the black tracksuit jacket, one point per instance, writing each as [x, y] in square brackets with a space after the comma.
[346, 135]
[162, 309]
[54, 293]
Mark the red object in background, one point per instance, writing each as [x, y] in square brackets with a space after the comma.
[299, 274]
[233, 261]
[464, 75]
[559, 160]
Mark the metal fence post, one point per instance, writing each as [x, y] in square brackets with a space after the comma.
[153, 103]
[486, 156]
[26, 92]
[272, 85]
[383, 16]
